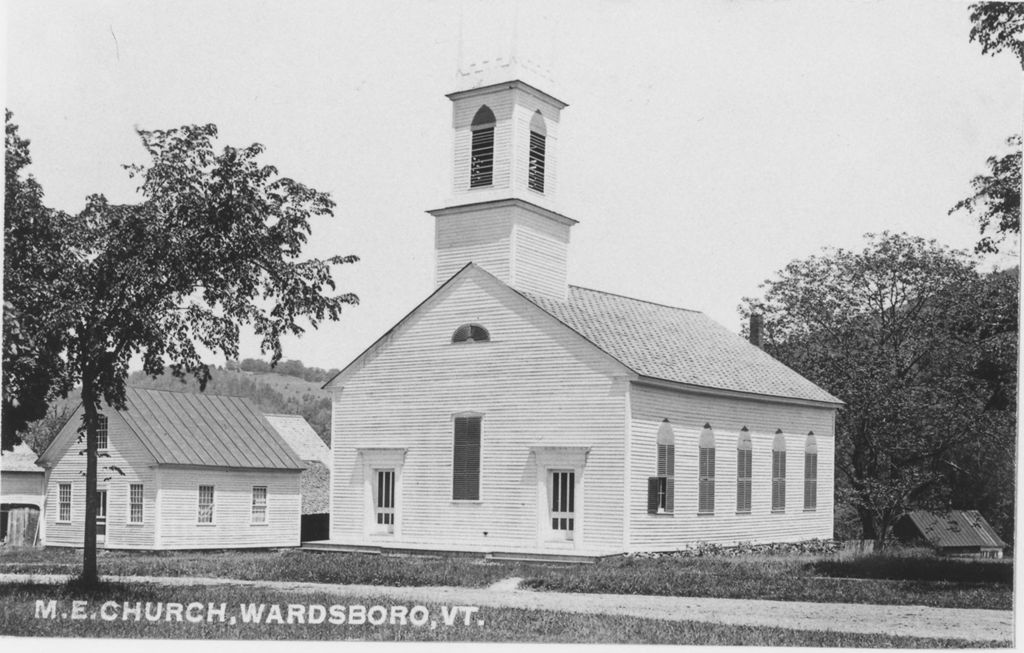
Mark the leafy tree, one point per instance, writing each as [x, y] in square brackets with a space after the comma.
[214, 244]
[999, 26]
[904, 333]
[996, 198]
[34, 328]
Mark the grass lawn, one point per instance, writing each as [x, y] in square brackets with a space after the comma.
[878, 579]
[18, 617]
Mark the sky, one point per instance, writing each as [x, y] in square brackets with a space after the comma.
[705, 145]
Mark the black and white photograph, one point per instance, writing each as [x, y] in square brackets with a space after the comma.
[461, 322]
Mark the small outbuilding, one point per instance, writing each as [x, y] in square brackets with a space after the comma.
[952, 532]
[176, 471]
[21, 496]
[315, 481]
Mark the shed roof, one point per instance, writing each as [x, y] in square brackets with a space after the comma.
[20, 459]
[203, 429]
[303, 440]
[676, 344]
[955, 528]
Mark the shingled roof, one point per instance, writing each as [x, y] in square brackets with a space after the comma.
[21, 459]
[676, 344]
[303, 440]
[181, 428]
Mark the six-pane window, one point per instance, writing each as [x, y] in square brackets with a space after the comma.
[706, 471]
[135, 503]
[466, 459]
[101, 433]
[64, 497]
[205, 504]
[810, 473]
[779, 473]
[259, 504]
[744, 472]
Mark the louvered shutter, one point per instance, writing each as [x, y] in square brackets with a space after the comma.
[466, 459]
[652, 495]
[670, 494]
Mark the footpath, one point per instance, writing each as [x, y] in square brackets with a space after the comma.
[907, 620]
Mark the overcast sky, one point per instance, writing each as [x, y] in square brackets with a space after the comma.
[705, 144]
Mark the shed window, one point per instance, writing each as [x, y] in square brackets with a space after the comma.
[779, 473]
[744, 471]
[205, 504]
[481, 161]
[64, 501]
[101, 433]
[661, 489]
[259, 504]
[466, 459]
[810, 473]
[135, 503]
[538, 144]
[706, 471]
[471, 333]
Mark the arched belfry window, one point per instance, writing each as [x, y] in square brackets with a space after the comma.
[471, 333]
[779, 472]
[706, 471]
[810, 472]
[538, 145]
[661, 488]
[481, 160]
[744, 471]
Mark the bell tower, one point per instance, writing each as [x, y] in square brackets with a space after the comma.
[502, 212]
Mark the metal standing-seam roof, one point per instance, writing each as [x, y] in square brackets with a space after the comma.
[955, 528]
[303, 440]
[676, 344]
[20, 459]
[180, 428]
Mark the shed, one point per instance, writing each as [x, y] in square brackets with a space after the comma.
[21, 496]
[952, 532]
[315, 481]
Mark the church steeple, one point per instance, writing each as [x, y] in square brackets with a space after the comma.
[502, 214]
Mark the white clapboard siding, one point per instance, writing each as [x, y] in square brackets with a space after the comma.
[481, 237]
[526, 105]
[535, 383]
[126, 453]
[20, 484]
[688, 413]
[232, 519]
[540, 255]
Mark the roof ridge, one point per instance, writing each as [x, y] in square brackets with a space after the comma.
[201, 393]
[635, 299]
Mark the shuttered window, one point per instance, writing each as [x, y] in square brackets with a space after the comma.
[481, 160]
[811, 473]
[744, 472]
[661, 489]
[779, 473]
[536, 172]
[205, 514]
[102, 440]
[706, 471]
[135, 503]
[259, 504]
[466, 459]
[64, 500]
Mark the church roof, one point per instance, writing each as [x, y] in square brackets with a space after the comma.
[676, 344]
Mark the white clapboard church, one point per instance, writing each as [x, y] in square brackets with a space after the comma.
[511, 413]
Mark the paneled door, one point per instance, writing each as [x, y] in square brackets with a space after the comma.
[562, 492]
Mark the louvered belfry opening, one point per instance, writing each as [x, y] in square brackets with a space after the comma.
[538, 144]
[481, 162]
[471, 333]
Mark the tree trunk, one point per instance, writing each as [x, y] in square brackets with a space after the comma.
[90, 573]
[867, 524]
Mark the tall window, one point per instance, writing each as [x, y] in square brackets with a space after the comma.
[481, 158]
[259, 504]
[706, 471]
[810, 473]
[779, 473]
[466, 459]
[64, 501]
[744, 471]
[101, 433]
[538, 138]
[661, 489]
[135, 503]
[205, 504]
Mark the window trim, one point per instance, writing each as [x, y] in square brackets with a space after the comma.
[61, 503]
[706, 471]
[779, 480]
[810, 481]
[132, 503]
[537, 151]
[479, 417]
[744, 473]
[661, 488]
[103, 428]
[213, 506]
[483, 123]
[265, 505]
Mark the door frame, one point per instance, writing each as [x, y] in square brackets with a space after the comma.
[376, 459]
[550, 459]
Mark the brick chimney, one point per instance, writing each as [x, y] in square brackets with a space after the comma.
[757, 330]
